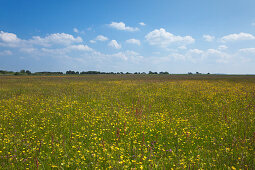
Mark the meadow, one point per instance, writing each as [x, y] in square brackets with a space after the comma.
[127, 122]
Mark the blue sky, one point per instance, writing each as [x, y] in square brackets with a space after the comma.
[133, 35]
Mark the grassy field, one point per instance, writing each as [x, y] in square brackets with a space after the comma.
[127, 121]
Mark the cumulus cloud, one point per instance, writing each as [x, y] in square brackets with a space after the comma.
[72, 53]
[92, 41]
[75, 30]
[197, 55]
[221, 57]
[196, 51]
[28, 50]
[142, 24]
[208, 38]
[128, 55]
[178, 56]
[237, 37]
[8, 37]
[248, 50]
[134, 41]
[114, 44]
[57, 38]
[5, 53]
[213, 51]
[122, 26]
[58, 44]
[246, 54]
[11, 40]
[101, 38]
[222, 47]
[80, 47]
[160, 37]
[193, 55]
[183, 47]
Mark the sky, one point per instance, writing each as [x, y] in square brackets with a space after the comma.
[128, 35]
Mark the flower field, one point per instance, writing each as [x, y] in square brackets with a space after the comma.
[127, 122]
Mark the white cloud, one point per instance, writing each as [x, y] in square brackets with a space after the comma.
[122, 26]
[142, 24]
[220, 56]
[28, 50]
[59, 43]
[196, 51]
[193, 55]
[92, 41]
[57, 38]
[196, 55]
[68, 52]
[134, 41]
[114, 44]
[8, 37]
[120, 55]
[178, 56]
[237, 37]
[208, 38]
[222, 47]
[183, 47]
[101, 38]
[80, 47]
[246, 54]
[72, 52]
[75, 30]
[248, 50]
[78, 31]
[213, 51]
[128, 55]
[5, 53]
[160, 37]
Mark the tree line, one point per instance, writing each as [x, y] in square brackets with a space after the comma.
[71, 72]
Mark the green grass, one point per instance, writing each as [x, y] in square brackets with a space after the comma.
[127, 121]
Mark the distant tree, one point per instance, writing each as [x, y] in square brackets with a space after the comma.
[17, 73]
[189, 73]
[28, 72]
[6, 72]
[150, 72]
[3, 72]
[208, 73]
[70, 72]
[22, 71]
[48, 73]
[95, 72]
[163, 72]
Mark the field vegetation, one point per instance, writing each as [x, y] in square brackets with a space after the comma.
[127, 122]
